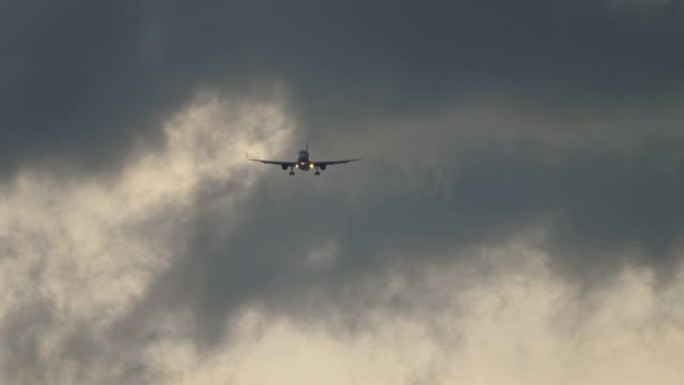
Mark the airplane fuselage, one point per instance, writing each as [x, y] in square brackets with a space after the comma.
[303, 161]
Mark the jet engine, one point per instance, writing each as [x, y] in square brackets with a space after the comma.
[283, 166]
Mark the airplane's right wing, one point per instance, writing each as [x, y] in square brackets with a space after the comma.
[277, 162]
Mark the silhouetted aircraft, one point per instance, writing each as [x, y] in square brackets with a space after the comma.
[304, 162]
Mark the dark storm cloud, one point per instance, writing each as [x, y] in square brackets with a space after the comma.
[350, 61]
[81, 80]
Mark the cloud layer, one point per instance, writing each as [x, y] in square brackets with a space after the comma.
[517, 217]
[193, 266]
[82, 82]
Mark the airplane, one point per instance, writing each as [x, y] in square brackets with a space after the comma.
[304, 162]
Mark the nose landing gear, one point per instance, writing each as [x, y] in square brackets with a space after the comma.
[317, 173]
[291, 171]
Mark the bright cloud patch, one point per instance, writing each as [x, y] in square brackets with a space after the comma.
[512, 325]
[79, 254]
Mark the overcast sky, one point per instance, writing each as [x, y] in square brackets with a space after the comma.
[517, 217]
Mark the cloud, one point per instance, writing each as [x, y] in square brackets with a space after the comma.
[194, 265]
[518, 201]
[502, 317]
[80, 253]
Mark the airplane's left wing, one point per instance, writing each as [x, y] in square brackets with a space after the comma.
[325, 163]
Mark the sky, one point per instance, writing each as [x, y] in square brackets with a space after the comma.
[516, 218]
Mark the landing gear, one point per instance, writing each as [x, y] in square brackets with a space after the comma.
[291, 171]
[317, 172]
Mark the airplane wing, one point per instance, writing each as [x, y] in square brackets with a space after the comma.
[324, 163]
[278, 162]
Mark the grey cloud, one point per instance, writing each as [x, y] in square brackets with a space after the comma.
[22, 357]
[83, 81]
